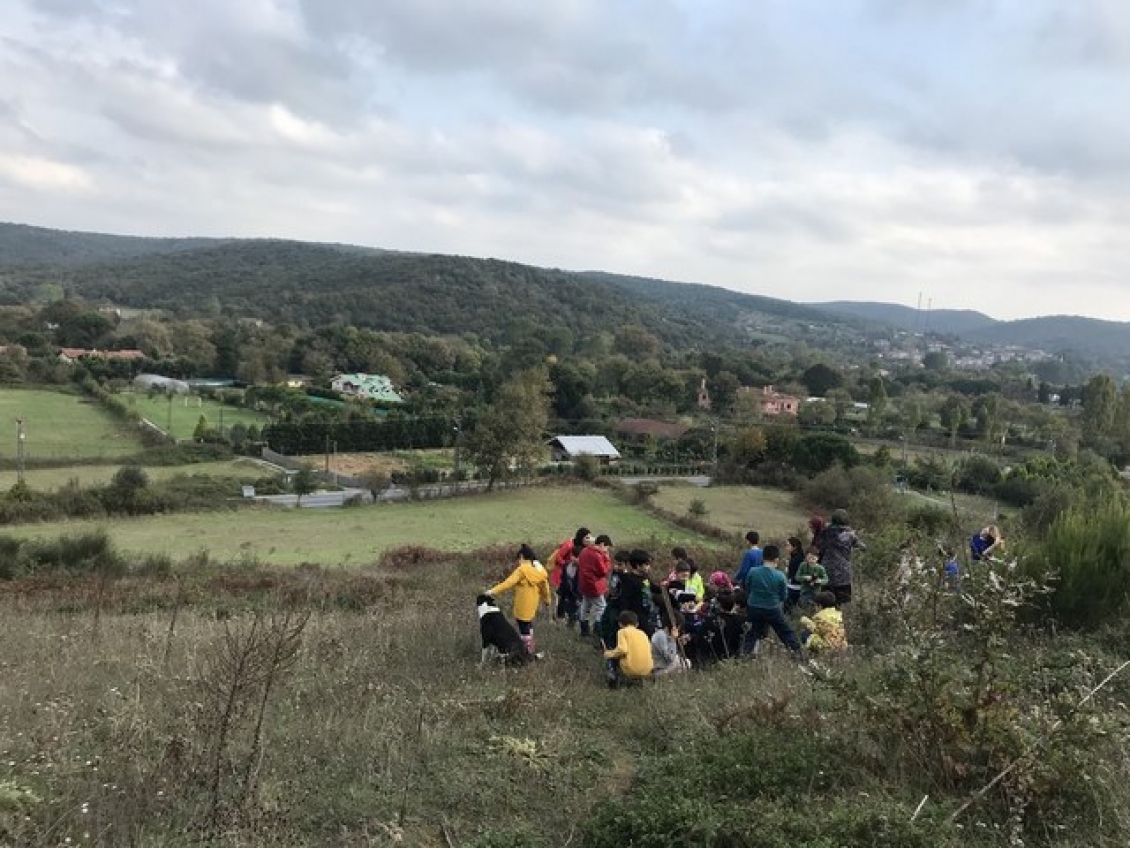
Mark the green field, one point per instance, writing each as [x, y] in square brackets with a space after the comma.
[57, 424]
[49, 479]
[179, 414]
[771, 512]
[350, 536]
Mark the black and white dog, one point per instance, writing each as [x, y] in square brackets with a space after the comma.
[498, 635]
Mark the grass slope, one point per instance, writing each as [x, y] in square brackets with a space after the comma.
[57, 424]
[180, 415]
[49, 479]
[352, 536]
[771, 512]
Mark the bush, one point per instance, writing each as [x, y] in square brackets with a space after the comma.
[586, 467]
[977, 475]
[1020, 490]
[816, 452]
[697, 508]
[1089, 549]
[863, 491]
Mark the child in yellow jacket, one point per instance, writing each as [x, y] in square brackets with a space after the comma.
[630, 661]
[825, 630]
[530, 582]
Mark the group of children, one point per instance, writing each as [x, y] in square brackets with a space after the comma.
[650, 625]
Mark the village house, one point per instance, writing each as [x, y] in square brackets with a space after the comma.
[369, 386]
[71, 355]
[773, 402]
[568, 448]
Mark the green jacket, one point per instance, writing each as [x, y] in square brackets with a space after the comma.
[811, 578]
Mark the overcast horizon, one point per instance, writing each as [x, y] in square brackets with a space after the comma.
[969, 151]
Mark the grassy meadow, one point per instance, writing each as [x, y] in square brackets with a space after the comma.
[179, 414]
[308, 707]
[541, 515]
[48, 479]
[59, 424]
[771, 512]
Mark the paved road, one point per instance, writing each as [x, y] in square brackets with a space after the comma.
[700, 480]
[321, 500]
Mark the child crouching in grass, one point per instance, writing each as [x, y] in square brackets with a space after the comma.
[824, 632]
[666, 658]
[630, 661]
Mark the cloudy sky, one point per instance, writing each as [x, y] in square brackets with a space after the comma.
[975, 153]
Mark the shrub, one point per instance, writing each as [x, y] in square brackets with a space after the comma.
[863, 491]
[697, 508]
[816, 452]
[977, 475]
[1089, 549]
[586, 467]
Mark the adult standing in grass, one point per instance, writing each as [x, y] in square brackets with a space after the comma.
[530, 583]
[593, 567]
[766, 591]
[838, 541]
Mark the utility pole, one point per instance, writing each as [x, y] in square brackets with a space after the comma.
[21, 439]
[714, 449]
[455, 442]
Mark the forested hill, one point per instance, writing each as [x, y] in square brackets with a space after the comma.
[22, 246]
[956, 322]
[1102, 341]
[313, 285]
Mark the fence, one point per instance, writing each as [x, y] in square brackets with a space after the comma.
[293, 463]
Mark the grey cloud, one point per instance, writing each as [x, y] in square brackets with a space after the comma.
[576, 57]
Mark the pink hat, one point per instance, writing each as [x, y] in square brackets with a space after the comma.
[720, 579]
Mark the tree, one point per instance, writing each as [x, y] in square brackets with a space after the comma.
[954, 413]
[748, 446]
[1100, 407]
[302, 483]
[512, 428]
[841, 401]
[723, 388]
[816, 452]
[936, 361]
[877, 403]
[819, 413]
[126, 492]
[987, 411]
[376, 481]
[819, 379]
[201, 431]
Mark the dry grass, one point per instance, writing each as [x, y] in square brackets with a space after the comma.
[541, 515]
[48, 479]
[772, 512]
[385, 728]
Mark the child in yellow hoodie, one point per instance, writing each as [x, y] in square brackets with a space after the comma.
[630, 661]
[825, 630]
[530, 582]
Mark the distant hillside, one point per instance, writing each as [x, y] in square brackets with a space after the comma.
[1102, 341]
[955, 322]
[312, 285]
[22, 246]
